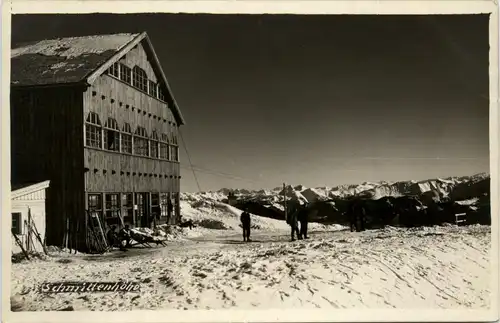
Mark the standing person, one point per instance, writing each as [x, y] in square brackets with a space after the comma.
[362, 219]
[358, 216]
[351, 214]
[170, 209]
[292, 220]
[245, 223]
[303, 218]
[356, 211]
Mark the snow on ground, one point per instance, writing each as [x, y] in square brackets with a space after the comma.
[439, 267]
[216, 215]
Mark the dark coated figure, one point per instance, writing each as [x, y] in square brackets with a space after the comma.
[303, 218]
[245, 223]
[357, 216]
[170, 210]
[292, 221]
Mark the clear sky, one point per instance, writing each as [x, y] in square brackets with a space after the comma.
[314, 100]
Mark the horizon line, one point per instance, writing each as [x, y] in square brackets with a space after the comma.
[487, 174]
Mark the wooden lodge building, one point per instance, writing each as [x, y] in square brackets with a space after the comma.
[96, 116]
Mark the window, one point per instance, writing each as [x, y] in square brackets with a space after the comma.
[161, 95]
[153, 89]
[164, 147]
[164, 197]
[155, 205]
[155, 199]
[141, 142]
[140, 201]
[127, 139]
[140, 79]
[153, 144]
[111, 135]
[112, 206]
[93, 131]
[128, 208]
[95, 205]
[174, 139]
[125, 73]
[114, 70]
[16, 223]
[95, 202]
[175, 153]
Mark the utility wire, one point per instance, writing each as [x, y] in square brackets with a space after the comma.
[189, 159]
[217, 173]
[195, 168]
[222, 173]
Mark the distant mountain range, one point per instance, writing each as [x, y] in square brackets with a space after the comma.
[456, 188]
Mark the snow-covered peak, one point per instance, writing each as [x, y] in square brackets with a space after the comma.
[440, 186]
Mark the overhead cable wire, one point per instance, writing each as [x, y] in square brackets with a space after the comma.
[189, 159]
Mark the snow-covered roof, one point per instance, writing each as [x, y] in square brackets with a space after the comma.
[79, 59]
[63, 60]
[27, 189]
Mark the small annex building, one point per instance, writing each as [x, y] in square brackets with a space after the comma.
[28, 216]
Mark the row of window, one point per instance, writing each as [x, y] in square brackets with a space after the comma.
[139, 111]
[114, 203]
[112, 138]
[138, 78]
[112, 199]
[104, 171]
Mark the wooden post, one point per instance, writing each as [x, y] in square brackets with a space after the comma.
[77, 235]
[104, 209]
[120, 215]
[37, 236]
[149, 212]
[66, 236]
[28, 234]
[20, 244]
[153, 214]
[134, 215]
[30, 245]
[29, 240]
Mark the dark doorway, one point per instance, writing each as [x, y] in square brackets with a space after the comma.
[141, 213]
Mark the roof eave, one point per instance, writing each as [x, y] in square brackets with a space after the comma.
[33, 86]
[30, 189]
[92, 76]
[181, 120]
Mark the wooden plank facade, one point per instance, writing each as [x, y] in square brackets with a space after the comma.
[109, 147]
[117, 177]
[47, 142]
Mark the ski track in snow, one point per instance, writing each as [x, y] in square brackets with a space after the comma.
[386, 268]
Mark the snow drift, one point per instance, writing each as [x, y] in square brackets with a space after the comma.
[432, 268]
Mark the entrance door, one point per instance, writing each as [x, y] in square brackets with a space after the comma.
[141, 213]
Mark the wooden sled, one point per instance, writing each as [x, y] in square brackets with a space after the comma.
[145, 241]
